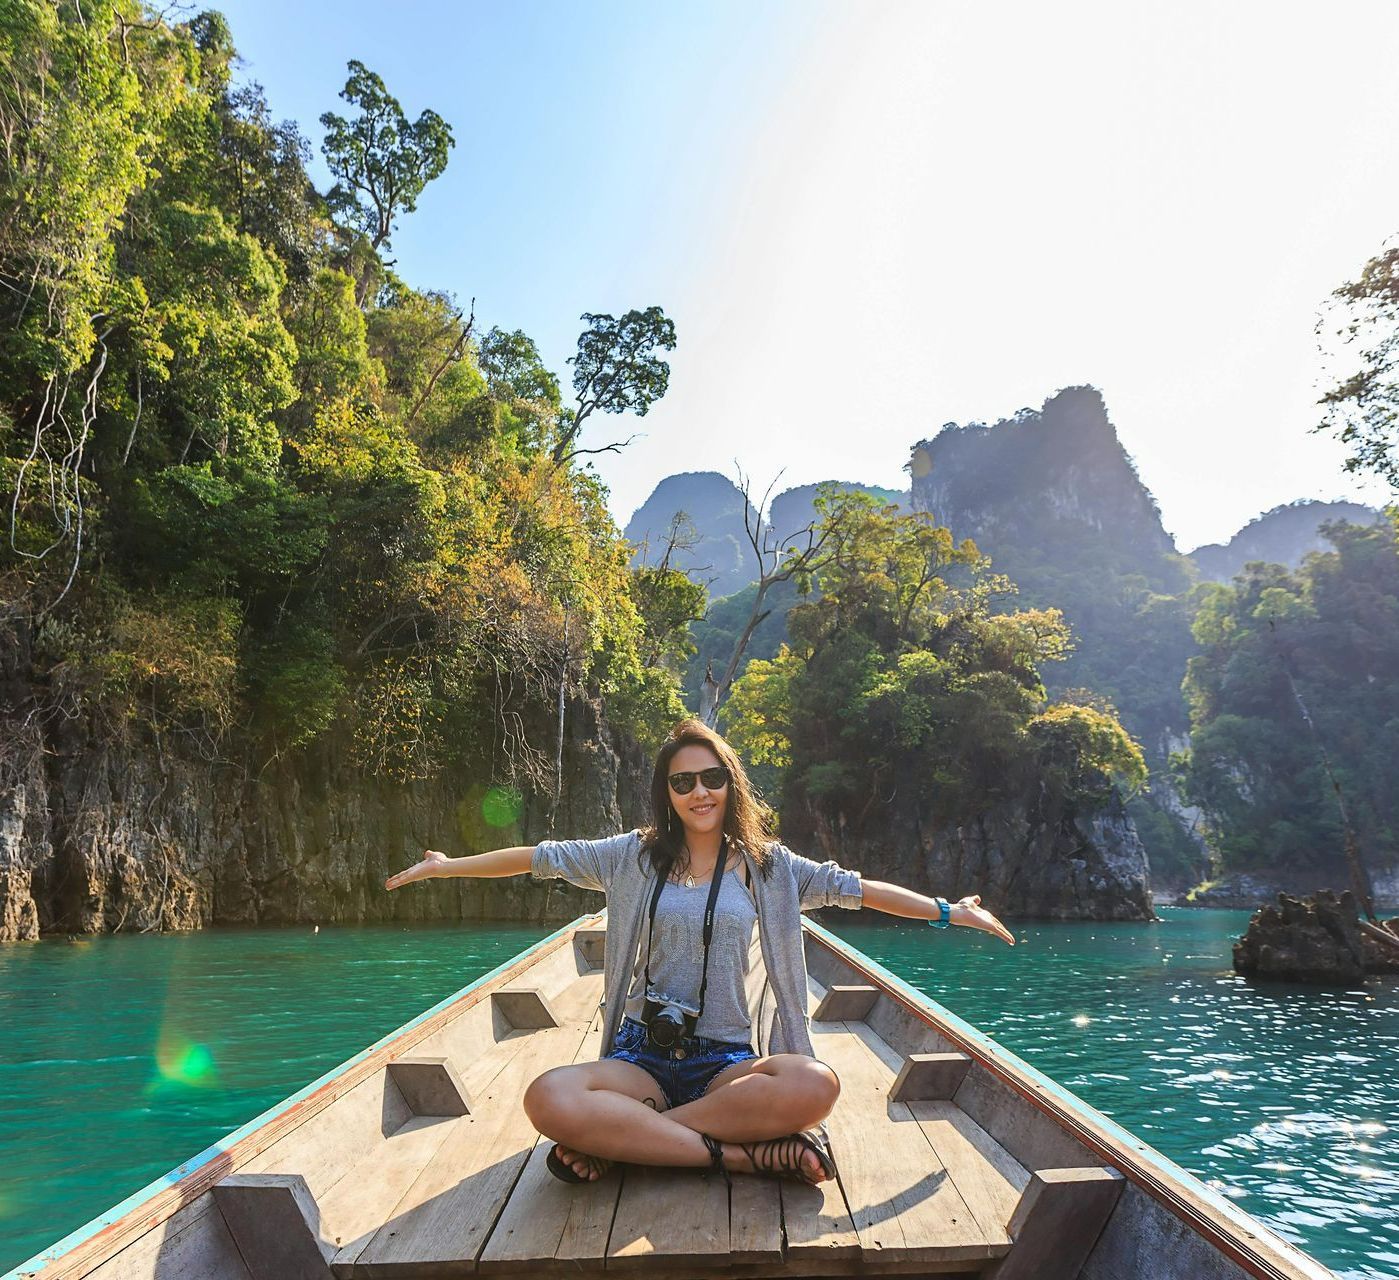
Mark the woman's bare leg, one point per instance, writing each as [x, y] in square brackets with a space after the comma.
[763, 1098]
[610, 1109]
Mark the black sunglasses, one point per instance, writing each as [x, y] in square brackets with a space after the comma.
[683, 783]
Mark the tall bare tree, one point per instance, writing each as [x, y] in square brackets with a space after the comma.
[799, 554]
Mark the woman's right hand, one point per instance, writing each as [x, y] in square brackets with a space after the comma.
[430, 868]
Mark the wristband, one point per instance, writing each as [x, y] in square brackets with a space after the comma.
[944, 914]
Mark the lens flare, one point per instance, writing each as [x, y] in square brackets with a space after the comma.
[501, 806]
[181, 1061]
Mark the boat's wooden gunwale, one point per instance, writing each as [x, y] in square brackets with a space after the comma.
[105, 1236]
[1214, 1218]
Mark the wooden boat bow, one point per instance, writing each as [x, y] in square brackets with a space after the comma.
[415, 1158]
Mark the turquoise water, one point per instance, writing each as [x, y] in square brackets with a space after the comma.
[1285, 1099]
[120, 1057]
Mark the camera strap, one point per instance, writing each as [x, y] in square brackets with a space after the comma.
[716, 879]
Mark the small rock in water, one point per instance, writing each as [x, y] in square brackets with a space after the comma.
[1314, 939]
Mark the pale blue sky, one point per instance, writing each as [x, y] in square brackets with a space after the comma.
[869, 217]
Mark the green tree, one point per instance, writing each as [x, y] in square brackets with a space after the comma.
[615, 370]
[332, 345]
[316, 508]
[524, 393]
[380, 161]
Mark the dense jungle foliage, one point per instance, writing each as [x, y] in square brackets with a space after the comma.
[1298, 669]
[900, 671]
[253, 480]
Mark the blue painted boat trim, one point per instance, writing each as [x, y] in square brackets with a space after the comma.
[1166, 1168]
[71, 1241]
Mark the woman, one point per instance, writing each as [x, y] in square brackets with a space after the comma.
[679, 1082]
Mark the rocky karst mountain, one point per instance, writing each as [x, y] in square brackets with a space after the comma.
[794, 509]
[1052, 497]
[721, 554]
[1056, 502]
[718, 553]
[1061, 469]
[1283, 535]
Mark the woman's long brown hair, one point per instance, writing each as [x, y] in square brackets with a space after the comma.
[746, 817]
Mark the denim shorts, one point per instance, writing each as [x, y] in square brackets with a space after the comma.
[683, 1073]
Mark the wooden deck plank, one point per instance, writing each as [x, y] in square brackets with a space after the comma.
[193, 1242]
[902, 1201]
[755, 1220]
[337, 1140]
[723, 1270]
[589, 1225]
[548, 1223]
[988, 1177]
[327, 1146]
[358, 1206]
[669, 1218]
[817, 1223]
[445, 1216]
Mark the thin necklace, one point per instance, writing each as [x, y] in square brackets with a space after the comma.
[690, 875]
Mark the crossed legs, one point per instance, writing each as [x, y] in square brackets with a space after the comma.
[614, 1110]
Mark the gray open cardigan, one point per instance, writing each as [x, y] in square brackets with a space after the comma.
[795, 884]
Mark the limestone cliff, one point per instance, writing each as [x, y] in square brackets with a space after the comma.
[102, 833]
[1070, 867]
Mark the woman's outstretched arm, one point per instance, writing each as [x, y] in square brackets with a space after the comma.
[895, 900]
[438, 866]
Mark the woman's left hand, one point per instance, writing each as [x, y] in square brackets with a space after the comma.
[970, 913]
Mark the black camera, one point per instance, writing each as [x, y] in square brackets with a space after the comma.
[668, 1021]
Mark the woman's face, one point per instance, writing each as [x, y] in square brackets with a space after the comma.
[701, 810]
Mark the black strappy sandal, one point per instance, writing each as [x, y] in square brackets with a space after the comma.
[782, 1157]
[716, 1156]
[567, 1173]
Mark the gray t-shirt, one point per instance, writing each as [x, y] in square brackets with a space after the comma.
[677, 954]
[617, 866]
